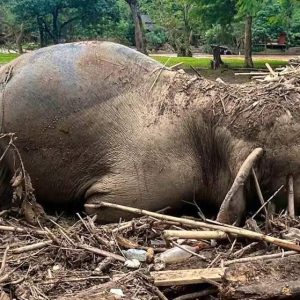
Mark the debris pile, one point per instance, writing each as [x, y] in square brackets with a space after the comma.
[295, 61]
[280, 75]
[155, 256]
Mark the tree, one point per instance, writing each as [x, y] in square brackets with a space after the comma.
[14, 31]
[216, 17]
[53, 19]
[248, 9]
[178, 19]
[140, 40]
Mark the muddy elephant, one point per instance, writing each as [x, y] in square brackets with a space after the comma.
[97, 121]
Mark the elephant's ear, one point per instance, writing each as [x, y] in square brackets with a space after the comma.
[234, 203]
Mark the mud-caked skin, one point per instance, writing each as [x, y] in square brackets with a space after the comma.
[97, 121]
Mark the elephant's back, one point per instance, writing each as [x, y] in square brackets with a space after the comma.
[49, 98]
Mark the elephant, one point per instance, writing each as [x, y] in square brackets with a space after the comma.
[98, 121]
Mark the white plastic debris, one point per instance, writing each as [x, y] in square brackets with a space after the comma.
[132, 263]
[176, 254]
[117, 292]
[140, 255]
[56, 268]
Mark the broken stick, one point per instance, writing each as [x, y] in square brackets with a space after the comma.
[291, 201]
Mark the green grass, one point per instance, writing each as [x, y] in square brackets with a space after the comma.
[7, 57]
[205, 62]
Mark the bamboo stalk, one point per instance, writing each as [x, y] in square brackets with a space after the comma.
[198, 235]
[196, 224]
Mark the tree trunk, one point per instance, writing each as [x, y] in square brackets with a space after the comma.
[217, 62]
[140, 39]
[248, 42]
[41, 32]
[55, 26]
[19, 39]
[187, 33]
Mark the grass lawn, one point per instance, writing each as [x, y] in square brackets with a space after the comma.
[7, 57]
[196, 62]
[204, 62]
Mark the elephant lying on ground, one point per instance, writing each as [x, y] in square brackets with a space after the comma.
[97, 121]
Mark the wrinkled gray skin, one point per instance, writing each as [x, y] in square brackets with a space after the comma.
[90, 128]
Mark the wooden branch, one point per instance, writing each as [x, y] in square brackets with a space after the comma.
[184, 277]
[291, 201]
[241, 177]
[260, 257]
[22, 230]
[31, 247]
[198, 235]
[271, 70]
[197, 295]
[196, 224]
[3, 263]
[102, 252]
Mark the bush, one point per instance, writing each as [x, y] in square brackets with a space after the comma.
[156, 38]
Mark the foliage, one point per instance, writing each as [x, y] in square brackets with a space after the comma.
[178, 18]
[156, 38]
[53, 21]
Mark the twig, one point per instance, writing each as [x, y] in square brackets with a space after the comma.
[271, 70]
[291, 202]
[241, 251]
[176, 65]
[259, 193]
[4, 260]
[260, 257]
[72, 279]
[198, 74]
[197, 224]
[241, 177]
[105, 263]
[22, 230]
[158, 75]
[32, 247]
[102, 252]
[124, 226]
[52, 236]
[267, 202]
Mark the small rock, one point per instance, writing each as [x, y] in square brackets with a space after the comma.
[140, 255]
[132, 263]
[150, 255]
